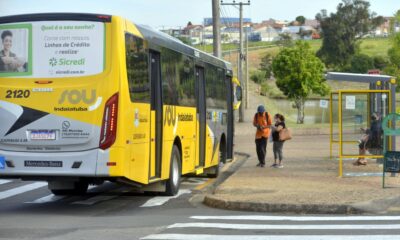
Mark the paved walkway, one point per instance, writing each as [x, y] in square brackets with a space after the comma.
[308, 183]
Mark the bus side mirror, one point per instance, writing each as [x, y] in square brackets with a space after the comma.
[238, 93]
[237, 100]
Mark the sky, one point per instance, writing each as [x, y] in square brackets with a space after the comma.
[173, 13]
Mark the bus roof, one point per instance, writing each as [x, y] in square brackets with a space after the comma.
[56, 16]
[165, 40]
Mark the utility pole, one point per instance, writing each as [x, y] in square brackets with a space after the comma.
[216, 29]
[241, 55]
[247, 70]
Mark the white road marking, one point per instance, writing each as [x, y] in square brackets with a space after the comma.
[4, 181]
[299, 219]
[47, 199]
[22, 189]
[96, 199]
[158, 201]
[268, 237]
[284, 227]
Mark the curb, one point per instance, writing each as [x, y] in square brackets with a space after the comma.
[215, 202]
[225, 173]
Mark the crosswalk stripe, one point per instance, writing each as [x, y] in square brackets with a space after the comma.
[158, 201]
[267, 237]
[299, 219]
[284, 227]
[47, 199]
[22, 189]
[4, 181]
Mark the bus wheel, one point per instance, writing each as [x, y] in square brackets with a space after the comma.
[80, 188]
[222, 152]
[214, 171]
[174, 181]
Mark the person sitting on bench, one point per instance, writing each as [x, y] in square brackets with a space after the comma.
[372, 140]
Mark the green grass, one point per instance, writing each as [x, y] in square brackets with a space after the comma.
[232, 46]
[369, 46]
[375, 46]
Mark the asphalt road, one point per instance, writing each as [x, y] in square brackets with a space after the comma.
[29, 211]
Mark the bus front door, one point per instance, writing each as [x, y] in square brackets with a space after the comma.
[156, 115]
[201, 115]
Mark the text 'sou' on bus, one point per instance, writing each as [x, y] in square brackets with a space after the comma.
[88, 98]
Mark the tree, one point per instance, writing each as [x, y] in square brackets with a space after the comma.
[185, 40]
[285, 39]
[342, 31]
[380, 62]
[394, 51]
[301, 20]
[393, 68]
[305, 33]
[361, 63]
[299, 74]
[257, 76]
[266, 65]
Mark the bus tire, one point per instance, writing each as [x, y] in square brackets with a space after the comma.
[222, 152]
[174, 181]
[214, 172]
[80, 188]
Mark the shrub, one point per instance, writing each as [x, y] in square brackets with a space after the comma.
[264, 89]
[361, 63]
[380, 62]
[258, 77]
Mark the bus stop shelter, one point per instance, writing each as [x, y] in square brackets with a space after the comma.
[351, 110]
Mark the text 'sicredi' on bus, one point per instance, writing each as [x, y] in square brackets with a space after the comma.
[88, 98]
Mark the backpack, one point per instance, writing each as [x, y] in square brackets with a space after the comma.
[265, 114]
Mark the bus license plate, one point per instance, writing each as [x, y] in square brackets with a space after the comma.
[43, 135]
[43, 164]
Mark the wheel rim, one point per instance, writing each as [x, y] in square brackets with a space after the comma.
[175, 172]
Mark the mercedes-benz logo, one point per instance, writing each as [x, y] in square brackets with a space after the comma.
[66, 125]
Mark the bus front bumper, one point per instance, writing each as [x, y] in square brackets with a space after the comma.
[91, 163]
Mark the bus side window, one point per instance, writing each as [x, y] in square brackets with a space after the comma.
[137, 69]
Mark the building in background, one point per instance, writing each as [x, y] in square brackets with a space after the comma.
[267, 31]
[226, 21]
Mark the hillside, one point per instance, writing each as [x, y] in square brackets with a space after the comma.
[369, 46]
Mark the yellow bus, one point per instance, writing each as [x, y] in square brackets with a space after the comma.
[88, 98]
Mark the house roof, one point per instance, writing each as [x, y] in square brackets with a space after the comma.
[190, 27]
[312, 23]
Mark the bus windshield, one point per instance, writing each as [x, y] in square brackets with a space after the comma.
[52, 49]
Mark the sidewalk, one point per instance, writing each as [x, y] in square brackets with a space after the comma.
[308, 183]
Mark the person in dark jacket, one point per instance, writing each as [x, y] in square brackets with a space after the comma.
[372, 139]
[278, 144]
